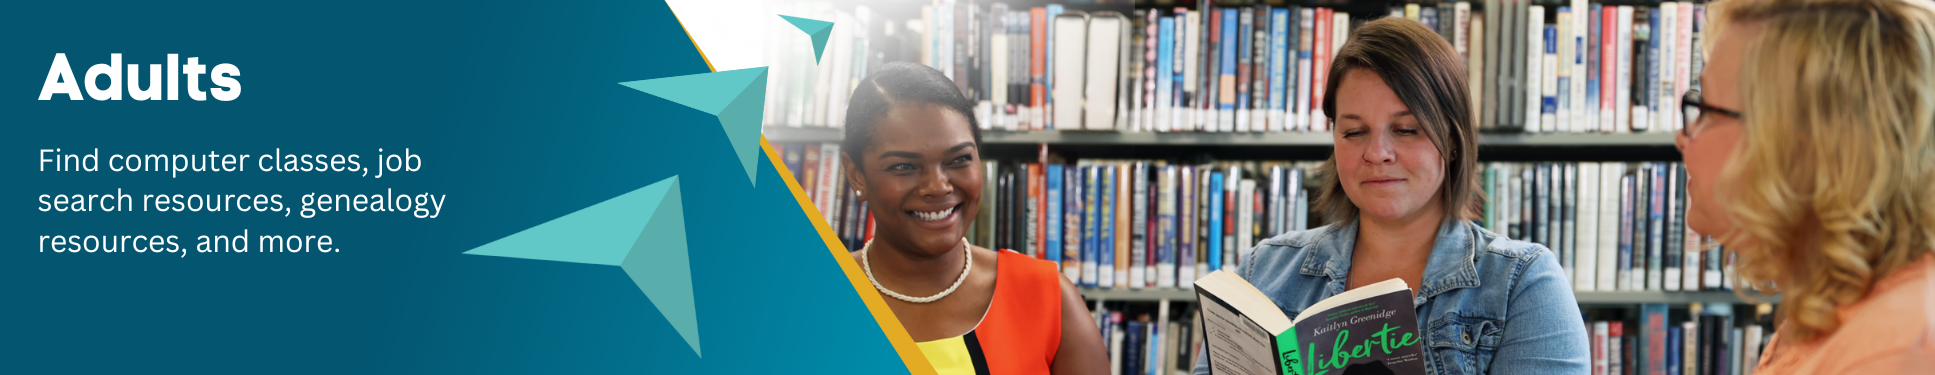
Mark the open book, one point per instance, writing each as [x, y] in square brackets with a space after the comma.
[1369, 330]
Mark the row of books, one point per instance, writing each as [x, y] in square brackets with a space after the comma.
[817, 166]
[1138, 223]
[1614, 226]
[1709, 341]
[1150, 342]
[1577, 67]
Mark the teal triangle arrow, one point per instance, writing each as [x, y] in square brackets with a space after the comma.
[817, 29]
[642, 232]
[737, 97]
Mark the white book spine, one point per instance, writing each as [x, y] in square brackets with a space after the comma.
[1461, 18]
[1245, 214]
[1663, 115]
[1104, 47]
[1586, 261]
[1682, 60]
[1609, 174]
[1623, 84]
[1534, 59]
[1191, 35]
[1581, 26]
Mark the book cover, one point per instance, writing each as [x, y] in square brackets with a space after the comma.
[1371, 329]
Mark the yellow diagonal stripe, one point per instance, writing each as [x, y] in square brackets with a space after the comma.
[896, 334]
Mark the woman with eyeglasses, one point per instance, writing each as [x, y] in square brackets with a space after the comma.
[1811, 153]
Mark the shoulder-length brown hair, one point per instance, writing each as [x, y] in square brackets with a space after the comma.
[1429, 77]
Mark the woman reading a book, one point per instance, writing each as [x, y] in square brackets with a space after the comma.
[1400, 190]
[1810, 153]
[912, 152]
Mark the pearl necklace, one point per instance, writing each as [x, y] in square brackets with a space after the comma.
[868, 266]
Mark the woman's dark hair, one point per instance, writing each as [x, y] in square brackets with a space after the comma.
[898, 83]
[1429, 77]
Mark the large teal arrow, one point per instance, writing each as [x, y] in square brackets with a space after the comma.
[817, 29]
[738, 97]
[642, 232]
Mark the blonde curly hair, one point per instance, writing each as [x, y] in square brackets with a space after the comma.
[1833, 186]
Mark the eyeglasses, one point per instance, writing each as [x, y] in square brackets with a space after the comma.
[1692, 107]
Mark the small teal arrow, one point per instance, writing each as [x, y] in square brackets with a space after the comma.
[817, 29]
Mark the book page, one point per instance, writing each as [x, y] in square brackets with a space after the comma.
[1236, 346]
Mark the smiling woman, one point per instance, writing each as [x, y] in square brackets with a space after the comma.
[912, 152]
[1399, 192]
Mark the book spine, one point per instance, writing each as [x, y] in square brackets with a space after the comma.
[1259, 72]
[1190, 37]
[1165, 58]
[1216, 197]
[1038, 68]
[1592, 70]
[1642, 207]
[1052, 246]
[1656, 226]
[1608, 69]
[1319, 70]
[1562, 69]
[1600, 361]
[1569, 238]
[1139, 238]
[1534, 74]
[1489, 91]
[1123, 199]
[1110, 264]
[1178, 65]
[1624, 269]
[1246, 24]
[1586, 258]
[1091, 221]
[1307, 44]
[1071, 223]
[1226, 79]
[1279, 54]
[1623, 82]
[1616, 348]
[1664, 104]
[1213, 71]
[1183, 229]
[1167, 220]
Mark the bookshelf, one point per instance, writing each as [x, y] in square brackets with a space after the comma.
[1137, 137]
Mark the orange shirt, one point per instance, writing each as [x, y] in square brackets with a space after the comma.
[1892, 331]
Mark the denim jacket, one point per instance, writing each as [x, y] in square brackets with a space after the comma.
[1489, 305]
